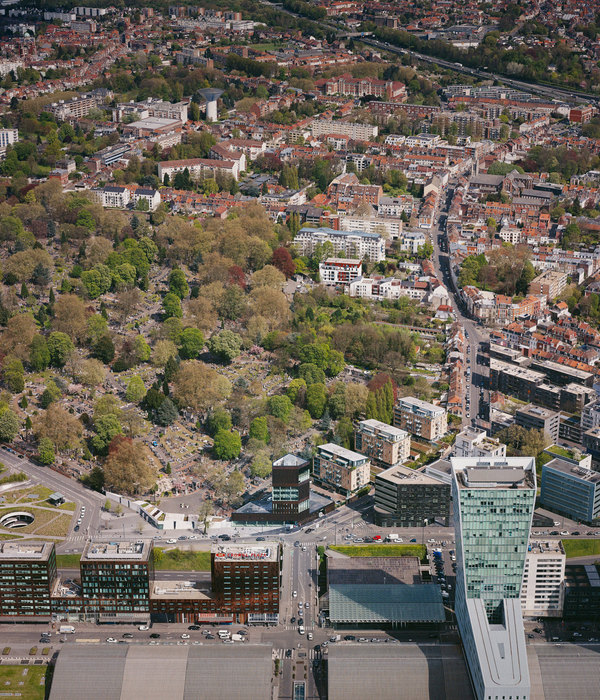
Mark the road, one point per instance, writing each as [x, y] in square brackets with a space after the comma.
[476, 381]
[72, 490]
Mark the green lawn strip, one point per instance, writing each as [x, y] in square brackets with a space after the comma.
[42, 517]
[581, 548]
[33, 687]
[7, 536]
[383, 550]
[68, 561]
[67, 506]
[57, 527]
[178, 560]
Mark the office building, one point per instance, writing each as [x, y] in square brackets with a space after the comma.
[405, 497]
[346, 244]
[342, 271]
[27, 575]
[582, 592]
[291, 499]
[473, 442]
[385, 445]
[340, 469]
[591, 441]
[493, 501]
[246, 580]
[420, 418]
[542, 591]
[291, 487]
[571, 490]
[538, 418]
[115, 580]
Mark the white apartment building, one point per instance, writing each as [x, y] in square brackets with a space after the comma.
[473, 442]
[7, 138]
[389, 227]
[152, 108]
[394, 206]
[590, 416]
[152, 197]
[358, 244]
[343, 271]
[198, 168]
[411, 241]
[386, 288]
[113, 196]
[542, 590]
[421, 418]
[354, 130]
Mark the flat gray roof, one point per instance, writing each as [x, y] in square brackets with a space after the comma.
[375, 570]
[565, 671]
[392, 671]
[133, 671]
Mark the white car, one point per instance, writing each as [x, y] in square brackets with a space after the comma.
[111, 640]
[143, 628]
[172, 541]
[185, 636]
[294, 594]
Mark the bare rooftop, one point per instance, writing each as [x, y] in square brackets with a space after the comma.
[267, 552]
[127, 550]
[25, 550]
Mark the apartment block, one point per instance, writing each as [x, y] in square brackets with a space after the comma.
[7, 138]
[590, 416]
[79, 106]
[405, 497]
[339, 271]
[549, 284]
[348, 244]
[421, 418]
[354, 130]
[340, 469]
[473, 442]
[27, 575]
[115, 580]
[199, 168]
[112, 196]
[571, 490]
[382, 443]
[542, 590]
[538, 418]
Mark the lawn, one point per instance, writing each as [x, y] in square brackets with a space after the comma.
[383, 550]
[47, 522]
[32, 679]
[581, 548]
[67, 561]
[177, 560]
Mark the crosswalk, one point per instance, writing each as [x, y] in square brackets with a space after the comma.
[279, 653]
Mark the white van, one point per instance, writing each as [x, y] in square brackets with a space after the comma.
[224, 634]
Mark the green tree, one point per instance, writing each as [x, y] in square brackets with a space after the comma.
[9, 424]
[316, 400]
[178, 284]
[166, 413]
[135, 389]
[311, 373]
[226, 345]
[107, 427]
[261, 465]
[280, 406]
[192, 342]
[46, 453]
[172, 306]
[227, 445]
[50, 394]
[218, 419]
[104, 349]
[259, 429]
[60, 346]
[14, 374]
[296, 390]
[39, 355]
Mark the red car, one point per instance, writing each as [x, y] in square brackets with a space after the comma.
[377, 538]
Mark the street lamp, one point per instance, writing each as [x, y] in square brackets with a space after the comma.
[425, 523]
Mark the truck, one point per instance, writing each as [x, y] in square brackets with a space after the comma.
[393, 537]
[66, 629]
[238, 637]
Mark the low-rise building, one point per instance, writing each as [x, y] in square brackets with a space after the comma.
[538, 418]
[421, 418]
[342, 470]
[405, 497]
[112, 196]
[542, 590]
[382, 443]
[199, 168]
[474, 442]
[339, 271]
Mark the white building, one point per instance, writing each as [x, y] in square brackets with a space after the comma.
[7, 138]
[112, 196]
[590, 416]
[354, 130]
[387, 288]
[359, 244]
[198, 168]
[394, 206]
[542, 590]
[411, 241]
[388, 227]
[473, 442]
[144, 194]
[343, 271]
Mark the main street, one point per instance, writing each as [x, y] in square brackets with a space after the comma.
[476, 379]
